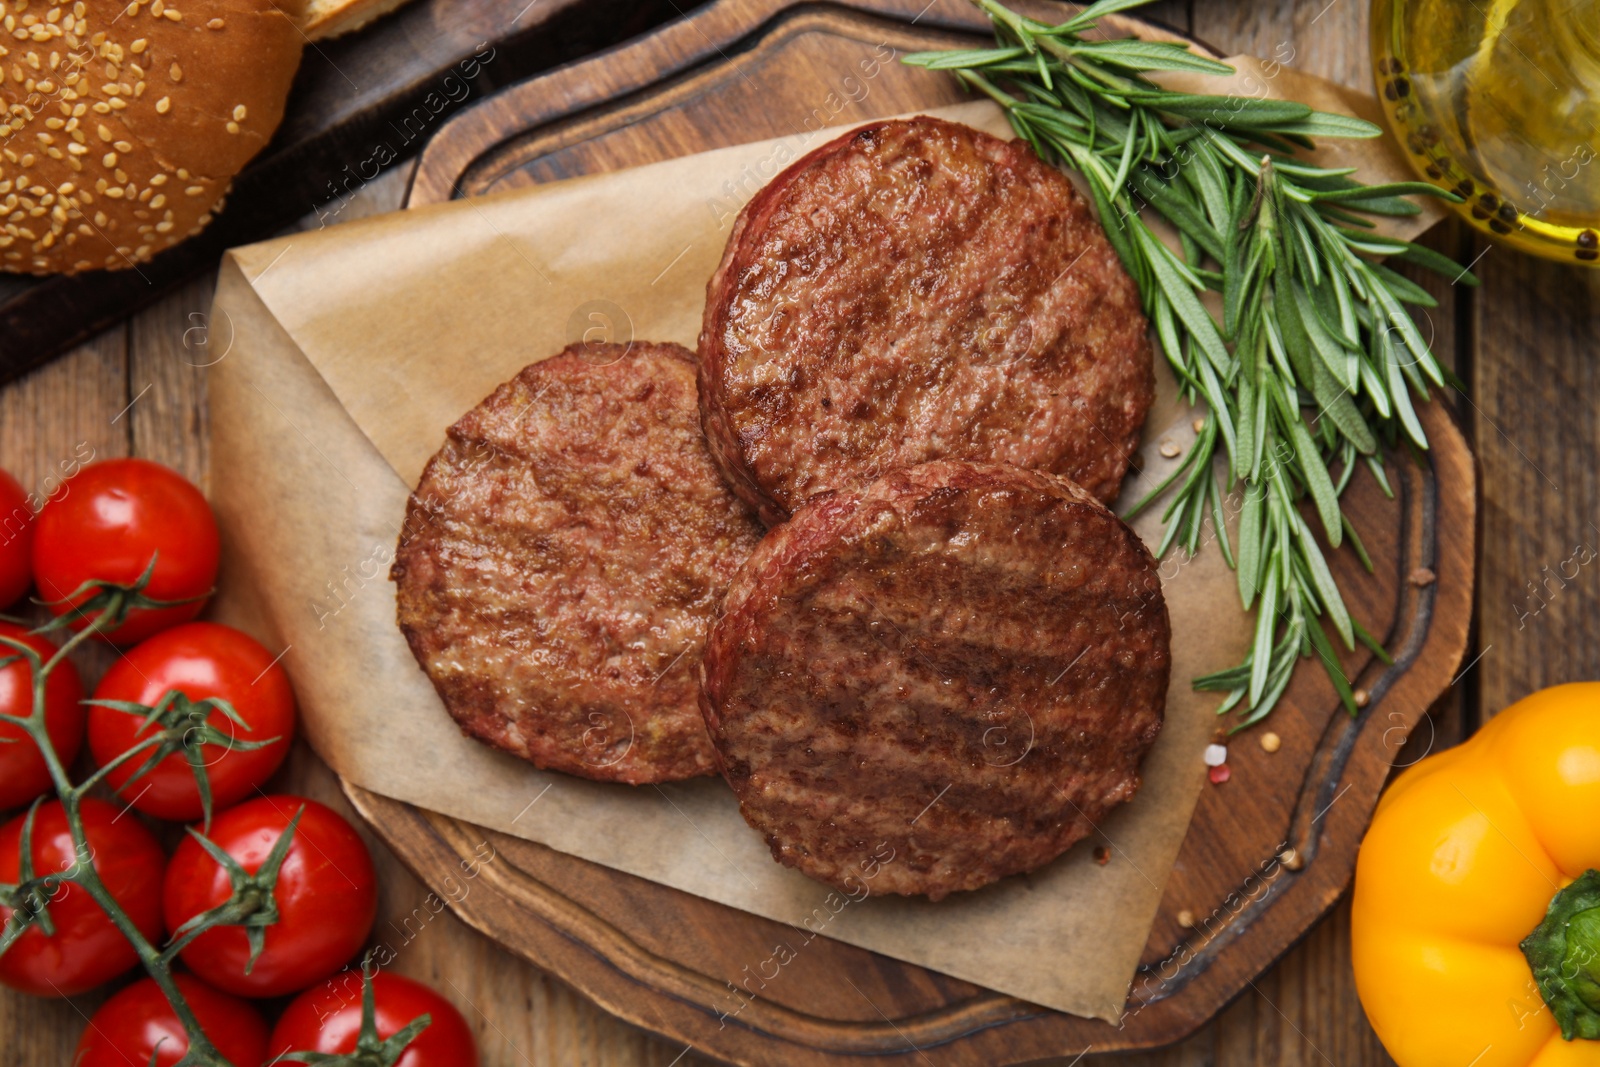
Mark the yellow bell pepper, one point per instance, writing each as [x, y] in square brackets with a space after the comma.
[1476, 918]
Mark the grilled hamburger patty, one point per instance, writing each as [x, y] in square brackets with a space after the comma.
[946, 677]
[562, 558]
[918, 290]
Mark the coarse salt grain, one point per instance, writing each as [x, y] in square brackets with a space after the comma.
[1216, 755]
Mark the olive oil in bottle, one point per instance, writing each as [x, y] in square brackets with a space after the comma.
[1499, 101]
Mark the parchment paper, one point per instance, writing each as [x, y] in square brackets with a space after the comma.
[348, 352]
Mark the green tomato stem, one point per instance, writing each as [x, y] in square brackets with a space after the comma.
[201, 1053]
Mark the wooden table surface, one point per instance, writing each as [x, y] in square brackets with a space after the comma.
[1527, 346]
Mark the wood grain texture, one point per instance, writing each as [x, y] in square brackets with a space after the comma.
[1303, 1011]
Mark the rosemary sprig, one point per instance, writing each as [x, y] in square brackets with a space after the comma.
[1315, 362]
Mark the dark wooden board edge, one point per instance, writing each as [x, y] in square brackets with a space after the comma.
[384, 85]
[713, 33]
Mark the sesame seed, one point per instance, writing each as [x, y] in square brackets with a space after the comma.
[139, 45]
[1361, 697]
[174, 15]
[114, 192]
[158, 201]
[233, 127]
[104, 131]
[109, 159]
[176, 73]
[1186, 919]
[163, 105]
[1271, 742]
[215, 24]
[159, 179]
[193, 190]
[123, 146]
[239, 113]
[158, 7]
[1170, 449]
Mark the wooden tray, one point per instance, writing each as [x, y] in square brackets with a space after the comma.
[382, 85]
[742, 70]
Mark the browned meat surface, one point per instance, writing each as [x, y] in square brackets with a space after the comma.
[946, 677]
[919, 290]
[562, 559]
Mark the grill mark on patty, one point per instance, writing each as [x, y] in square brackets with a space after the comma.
[888, 644]
[931, 291]
[564, 555]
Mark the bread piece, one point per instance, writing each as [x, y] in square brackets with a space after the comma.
[125, 122]
[330, 18]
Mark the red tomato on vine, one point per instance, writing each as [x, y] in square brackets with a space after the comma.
[315, 917]
[23, 774]
[138, 1022]
[109, 522]
[328, 1019]
[202, 663]
[85, 948]
[16, 541]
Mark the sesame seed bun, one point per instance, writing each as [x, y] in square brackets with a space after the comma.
[123, 123]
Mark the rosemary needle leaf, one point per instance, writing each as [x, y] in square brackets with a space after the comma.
[1426, 257]
[1315, 361]
[1086, 18]
[1150, 55]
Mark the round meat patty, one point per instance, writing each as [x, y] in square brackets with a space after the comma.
[562, 559]
[941, 679]
[919, 290]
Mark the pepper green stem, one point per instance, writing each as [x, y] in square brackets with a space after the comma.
[1564, 953]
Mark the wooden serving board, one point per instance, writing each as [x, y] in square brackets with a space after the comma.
[742, 70]
[360, 104]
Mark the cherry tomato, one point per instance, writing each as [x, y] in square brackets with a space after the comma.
[107, 523]
[326, 893]
[138, 1021]
[199, 660]
[86, 948]
[16, 541]
[328, 1019]
[23, 774]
